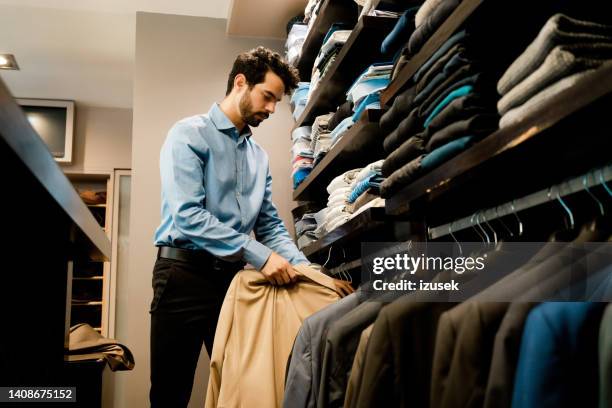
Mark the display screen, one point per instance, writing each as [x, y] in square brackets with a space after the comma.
[50, 124]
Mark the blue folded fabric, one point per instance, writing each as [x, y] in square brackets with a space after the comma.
[445, 152]
[359, 189]
[372, 101]
[457, 93]
[341, 129]
[460, 36]
[401, 32]
[300, 176]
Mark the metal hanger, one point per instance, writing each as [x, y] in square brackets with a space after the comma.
[475, 229]
[565, 207]
[603, 182]
[491, 228]
[450, 231]
[586, 187]
[482, 229]
[498, 218]
[520, 223]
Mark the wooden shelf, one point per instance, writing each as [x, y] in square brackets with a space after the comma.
[465, 9]
[548, 136]
[96, 205]
[331, 11]
[368, 34]
[351, 230]
[92, 303]
[91, 278]
[360, 145]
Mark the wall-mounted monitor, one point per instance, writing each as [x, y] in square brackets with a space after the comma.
[53, 120]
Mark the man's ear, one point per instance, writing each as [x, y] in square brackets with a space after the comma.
[240, 81]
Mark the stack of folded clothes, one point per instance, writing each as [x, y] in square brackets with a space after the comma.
[450, 104]
[320, 138]
[374, 79]
[565, 51]
[365, 189]
[305, 230]
[299, 99]
[295, 40]
[332, 43]
[337, 204]
[302, 154]
[371, 101]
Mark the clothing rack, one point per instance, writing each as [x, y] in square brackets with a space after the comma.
[592, 178]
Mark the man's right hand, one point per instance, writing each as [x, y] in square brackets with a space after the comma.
[278, 271]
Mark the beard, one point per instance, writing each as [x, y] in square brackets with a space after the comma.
[250, 117]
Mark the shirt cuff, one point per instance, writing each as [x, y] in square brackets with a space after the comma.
[256, 253]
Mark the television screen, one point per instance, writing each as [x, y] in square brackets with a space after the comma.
[53, 121]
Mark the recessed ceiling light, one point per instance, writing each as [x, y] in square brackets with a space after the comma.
[7, 61]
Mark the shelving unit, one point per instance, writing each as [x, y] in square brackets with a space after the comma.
[492, 162]
[350, 62]
[331, 11]
[91, 280]
[459, 16]
[356, 148]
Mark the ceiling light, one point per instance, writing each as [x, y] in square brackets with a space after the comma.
[7, 61]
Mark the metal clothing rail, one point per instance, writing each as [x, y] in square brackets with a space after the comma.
[582, 183]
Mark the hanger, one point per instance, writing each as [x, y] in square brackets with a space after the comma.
[603, 182]
[450, 231]
[586, 187]
[491, 228]
[565, 207]
[520, 223]
[482, 229]
[477, 232]
[498, 218]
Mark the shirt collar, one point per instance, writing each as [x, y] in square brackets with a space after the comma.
[224, 124]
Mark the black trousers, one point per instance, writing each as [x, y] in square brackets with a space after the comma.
[187, 299]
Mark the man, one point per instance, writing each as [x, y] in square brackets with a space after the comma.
[216, 190]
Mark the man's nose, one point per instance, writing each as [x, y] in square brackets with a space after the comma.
[270, 107]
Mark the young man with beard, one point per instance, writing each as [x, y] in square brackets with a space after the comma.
[216, 190]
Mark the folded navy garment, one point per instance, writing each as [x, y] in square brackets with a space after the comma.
[401, 106]
[458, 109]
[455, 69]
[427, 108]
[401, 177]
[344, 111]
[437, 66]
[477, 125]
[430, 25]
[463, 72]
[409, 126]
[411, 148]
[401, 32]
[455, 39]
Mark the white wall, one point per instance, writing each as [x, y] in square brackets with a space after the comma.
[102, 139]
[181, 68]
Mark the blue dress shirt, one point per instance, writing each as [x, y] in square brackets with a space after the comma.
[216, 189]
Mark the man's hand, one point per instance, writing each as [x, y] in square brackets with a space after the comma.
[343, 287]
[278, 271]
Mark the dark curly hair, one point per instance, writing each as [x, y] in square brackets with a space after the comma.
[255, 63]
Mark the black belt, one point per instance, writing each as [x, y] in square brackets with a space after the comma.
[199, 257]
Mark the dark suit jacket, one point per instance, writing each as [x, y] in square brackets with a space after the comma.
[605, 359]
[464, 348]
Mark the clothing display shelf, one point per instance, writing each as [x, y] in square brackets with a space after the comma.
[360, 50]
[592, 178]
[331, 11]
[352, 230]
[547, 135]
[359, 146]
[49, 227]
[93, 285]
[465, 9]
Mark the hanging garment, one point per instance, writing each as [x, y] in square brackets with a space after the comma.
[558, 30]
[605, 359]
[304, 370]
[560, 63]
[352, 388]
[500, 384]
[464, 347]
[339, 352]
[398, 361]
[557, 364]
[85, 343]
[256, 330]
